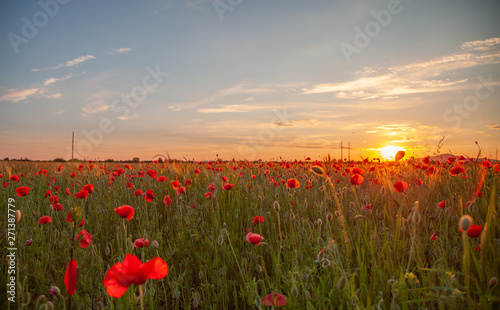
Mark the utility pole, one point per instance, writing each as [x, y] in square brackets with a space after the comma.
[72, 145]
[341, 152]
[349, 150]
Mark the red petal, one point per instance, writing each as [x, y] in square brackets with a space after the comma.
[70, 277]
[274, 299]
[158, 268]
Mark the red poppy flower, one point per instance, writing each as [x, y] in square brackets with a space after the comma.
[367, 208]
[70, 277]
[357, 179]
[132, 271]
[44, 220]
[399, 155]
[441, 204]
[292, 183]
[125, 212]
[149, 196]
[181, 190]
[137, 192]
[426, 160]
[196, 171]
[167, 201]
[57, 207]
[224, 179]
[67, 192]
[487, 164]
[141, 243]
[211, 187]
[129, 185]
[22, 191]
[53, 199]
[83, 194]
[451, 160]
[86, 238]
[152, 173]
[418, 182]
[175, 184]
[208, 195]
[456, 170]
[161, 178]
[14, 178]
[400, 186]
[28, 242]
[254, 238]
[5, 184]
[188, 182]
[89, 188]
[274, 299]
[228, 186]
[433, 237]
[258, 219]
[474, 231]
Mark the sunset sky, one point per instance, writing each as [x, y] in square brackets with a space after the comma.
[248, 79]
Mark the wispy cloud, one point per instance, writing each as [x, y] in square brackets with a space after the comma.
[239, 89]
[493, 126]
[294, 123]
[69, 63]
[481, 45]
[120, 50]
[421, 77]
[235, 108]
[53, 80]
[15, 95]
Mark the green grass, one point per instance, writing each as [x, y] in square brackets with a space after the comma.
[320, 249]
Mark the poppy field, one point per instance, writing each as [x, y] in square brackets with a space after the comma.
[406, 234]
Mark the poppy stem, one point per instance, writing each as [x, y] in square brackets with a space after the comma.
[141, 296]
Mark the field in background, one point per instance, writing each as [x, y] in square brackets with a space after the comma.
[335, 234]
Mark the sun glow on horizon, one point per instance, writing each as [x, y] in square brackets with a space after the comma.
[388, 152]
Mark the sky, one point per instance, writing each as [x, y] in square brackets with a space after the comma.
[248, 79]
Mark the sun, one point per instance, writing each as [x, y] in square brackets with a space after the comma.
[388, 152]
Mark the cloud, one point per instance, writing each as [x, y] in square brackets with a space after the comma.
[305, 143]
[295, 123]
[481, 45]
[493, 126]
[69, 63]
[240, 89]
[15, 95]
[414, 78]
[95, 107]
[120, 50]
[235, 108]
[52, 80]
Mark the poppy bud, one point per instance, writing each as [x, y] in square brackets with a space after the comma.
[50, 305]
[341, 283]
[154, 244]
[358, 217]
[54, 290]
[276, 206]
[318, 170]
[294, 291]
[465, 222]
[493, 282]
[329, 216]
